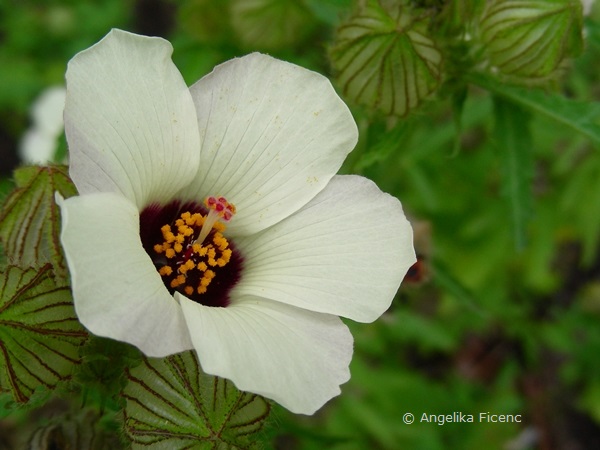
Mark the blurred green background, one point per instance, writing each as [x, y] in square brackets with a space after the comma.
[501, 314]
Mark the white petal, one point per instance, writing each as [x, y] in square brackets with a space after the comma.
[296, 357]
[273, 134]
[116, 289]
[130, 120]
[344, 253]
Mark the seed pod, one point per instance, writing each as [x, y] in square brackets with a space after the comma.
[529, 39]
[385, 58]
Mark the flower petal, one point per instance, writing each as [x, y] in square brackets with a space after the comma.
[116, 289]
[130, 120]
[273, 134]
[296, 357]
[344, 253]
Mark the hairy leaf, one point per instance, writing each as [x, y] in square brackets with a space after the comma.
[30, 219]
[39, 332]
[385, 58]
[171, 403]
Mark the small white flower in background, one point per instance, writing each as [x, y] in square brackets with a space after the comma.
[39, 143]
[587, 6]
[161, 258]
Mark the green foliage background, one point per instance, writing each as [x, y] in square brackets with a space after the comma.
[497, 167]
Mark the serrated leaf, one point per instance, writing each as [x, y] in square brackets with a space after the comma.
[513, 138]
[386, 59]
[39, 332]
[530, 38]
[270, 24]
[583, 117]
[171, 403]
[30, 218]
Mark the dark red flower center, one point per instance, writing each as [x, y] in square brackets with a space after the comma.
[189, 250]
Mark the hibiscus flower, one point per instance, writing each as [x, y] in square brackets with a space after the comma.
[210, 217]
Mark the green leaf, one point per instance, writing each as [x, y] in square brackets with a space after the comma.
[329, 11]
[459, 98]
[82, 430]
[414, 329]
[582, 117]
[205, 22]
[530, 38]
[171, 403]
[385, 58]
[459, 15]
[102, 372]
[387, 143]
[580, 202]
[30, 218]
[40, 335]
[513, 139]
[270, 24]
[448, 282]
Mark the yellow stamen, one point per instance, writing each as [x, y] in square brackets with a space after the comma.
[190, 259]
[178, 281]
[198, 219]
[186, 266]
[165, 270]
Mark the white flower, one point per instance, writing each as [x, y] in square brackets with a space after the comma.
[39, 143]
[304, 246]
